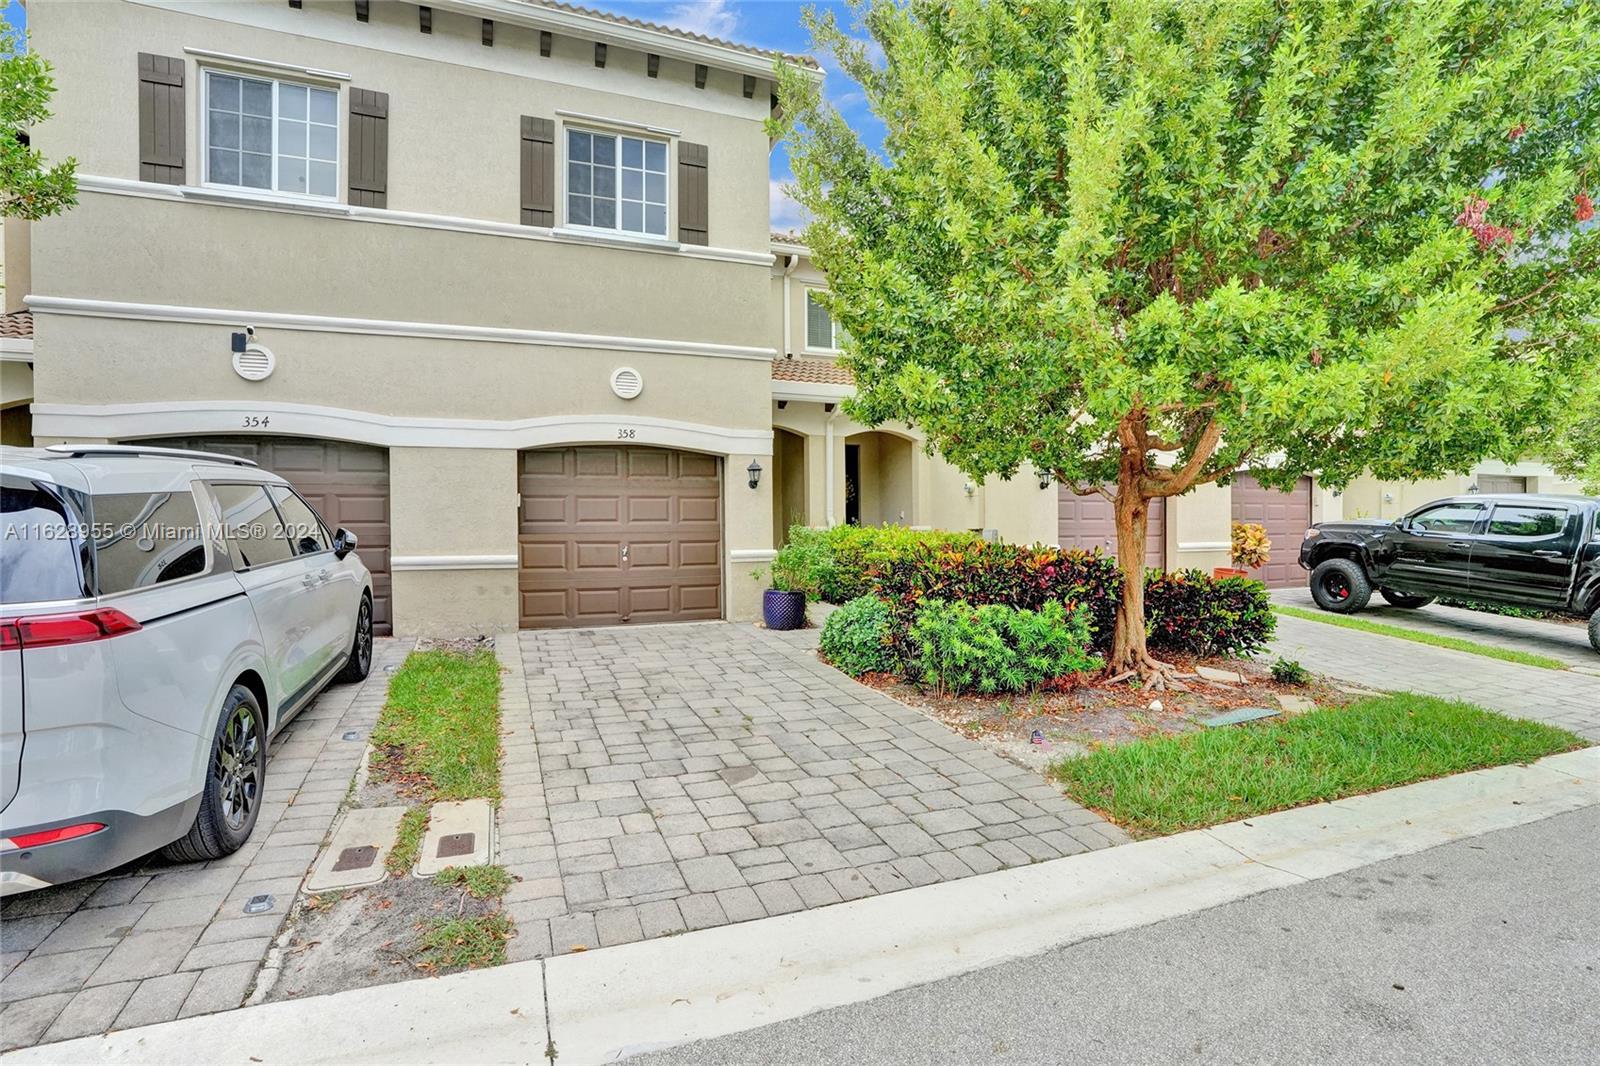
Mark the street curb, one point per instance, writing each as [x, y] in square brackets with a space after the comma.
[599, 1006]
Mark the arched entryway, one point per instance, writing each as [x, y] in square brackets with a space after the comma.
[788, 483]
[878, 479]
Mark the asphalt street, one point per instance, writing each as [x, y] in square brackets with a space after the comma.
[1486, 950]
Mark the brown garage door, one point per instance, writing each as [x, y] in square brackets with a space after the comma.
[1088, 522]
[615, 535]
[348, 484]
[1285, 516]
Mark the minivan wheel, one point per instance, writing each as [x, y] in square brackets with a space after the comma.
[1594, 630]
[1340, 586]
[360, 662]
[236, 777]
[1401, 599]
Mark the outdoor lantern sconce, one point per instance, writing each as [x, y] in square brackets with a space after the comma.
[754, 470]
[1045, 477]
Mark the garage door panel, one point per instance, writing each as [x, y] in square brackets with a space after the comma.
[1285, 516]
[670, 524]
[1089, 522]
[347, 484]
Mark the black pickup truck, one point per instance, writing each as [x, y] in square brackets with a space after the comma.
[1517, 550]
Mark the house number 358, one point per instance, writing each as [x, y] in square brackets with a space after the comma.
[624, 433]
[257, 421]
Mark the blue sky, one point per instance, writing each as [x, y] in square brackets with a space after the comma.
[765, 23]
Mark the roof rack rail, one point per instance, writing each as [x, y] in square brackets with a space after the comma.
[79, 451]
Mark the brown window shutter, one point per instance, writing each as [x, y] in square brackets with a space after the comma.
[538, 171]
[369, 148]
[691, 193]
[161, 141]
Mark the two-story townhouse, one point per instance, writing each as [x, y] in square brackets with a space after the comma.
[487, 279]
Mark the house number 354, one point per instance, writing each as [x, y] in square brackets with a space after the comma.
[257, 421]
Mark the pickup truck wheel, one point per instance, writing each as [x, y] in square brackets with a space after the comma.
[1400, 599]
[1594, 630]
[1340, 586]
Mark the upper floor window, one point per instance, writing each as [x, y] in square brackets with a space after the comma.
[822, 333]
[280, 136]
[616, 182]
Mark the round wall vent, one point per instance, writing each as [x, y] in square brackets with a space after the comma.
[626, 382]
[255, 363]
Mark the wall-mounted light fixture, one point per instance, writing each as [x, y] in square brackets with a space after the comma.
[754, 470]
[968, 487]
[1045, 479]
[1473, 489]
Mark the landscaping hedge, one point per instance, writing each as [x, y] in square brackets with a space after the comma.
[995, 648]
[855, 638]
[836, 565]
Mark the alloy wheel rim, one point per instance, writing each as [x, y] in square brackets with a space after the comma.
[1336, 586]
[238, 768]
[364, 636]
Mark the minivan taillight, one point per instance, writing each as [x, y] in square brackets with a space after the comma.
[47, 630]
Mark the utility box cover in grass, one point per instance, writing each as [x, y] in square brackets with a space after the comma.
[361, 845]
[1243, 714]
[459, 834]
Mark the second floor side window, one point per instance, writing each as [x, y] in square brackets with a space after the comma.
[616, 182]
[822, 333]
[278, 136]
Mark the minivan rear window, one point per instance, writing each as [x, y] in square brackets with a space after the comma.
[42, 541]
[146, 538]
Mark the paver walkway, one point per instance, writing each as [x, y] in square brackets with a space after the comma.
[676, 777]
[1567, 643]
[157, 940]
[1565, 698]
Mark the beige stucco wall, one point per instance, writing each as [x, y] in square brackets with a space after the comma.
[455, 105]
[16, 263]
[16, 383]
[1200, 528]
[1368, 497]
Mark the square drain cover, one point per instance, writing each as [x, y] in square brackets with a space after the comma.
[459, 833]
[358, 858]
[362, 840]
[455, 844]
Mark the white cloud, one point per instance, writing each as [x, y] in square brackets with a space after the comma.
[714, 18]
[785, 213]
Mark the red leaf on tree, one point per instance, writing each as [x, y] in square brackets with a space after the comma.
[1517, 131]
[1583, 207]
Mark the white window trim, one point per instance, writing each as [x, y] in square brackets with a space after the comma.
[274, 193]
[612, 128]
[805, 325]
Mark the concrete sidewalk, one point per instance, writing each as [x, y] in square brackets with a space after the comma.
[602, 1005]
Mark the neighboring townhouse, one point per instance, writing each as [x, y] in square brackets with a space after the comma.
[487, 279]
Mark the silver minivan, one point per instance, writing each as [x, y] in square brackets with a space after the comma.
[162, 614]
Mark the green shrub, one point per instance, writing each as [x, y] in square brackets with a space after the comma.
[1196, 614]
[838, 564]
[855, 638]
[995, 648]
[1290, 672]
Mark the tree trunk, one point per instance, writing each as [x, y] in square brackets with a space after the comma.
[1128, 651]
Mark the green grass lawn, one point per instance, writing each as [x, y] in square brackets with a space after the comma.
[1168, 784]
[439, 732]
[1510, 655]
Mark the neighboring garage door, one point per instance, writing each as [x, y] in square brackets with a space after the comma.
[615, 535]
[1088, 522]
[348, 484]
[1501, 483]
[1285, 516]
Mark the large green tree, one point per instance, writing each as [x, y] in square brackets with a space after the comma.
[29, 188]
[1141, 244]
[1576, 452]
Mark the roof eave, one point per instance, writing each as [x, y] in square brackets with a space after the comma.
[639, 38]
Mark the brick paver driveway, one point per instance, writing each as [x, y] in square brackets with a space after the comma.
[157, 940]
[682, 776]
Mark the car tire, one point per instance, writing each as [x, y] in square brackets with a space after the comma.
[1340, 586]
[1401, 599]
[1594, 630]
[359, 664]
[236, 777]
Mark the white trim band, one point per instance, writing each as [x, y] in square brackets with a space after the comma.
[811, 391]
[236, 318]
[16, 349]
[150, 190]
[620, 123]
[133, 420]
[1204, 546]
[752, 555]
[452, 562]
[270, 64]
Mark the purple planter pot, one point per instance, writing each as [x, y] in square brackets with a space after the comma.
[783, 610]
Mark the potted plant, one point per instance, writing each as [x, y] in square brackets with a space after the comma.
[1251, 550]
[783, 606]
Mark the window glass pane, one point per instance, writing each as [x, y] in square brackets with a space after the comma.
[655, 220]
[1527, 521]
[819, 325]
[143, 539]
[258, 98]
[300, 522]
[578, 146]
[223, 166]
[291, 137]
[251, 525]
[605, 183]
[605, 151]
[291, 101]
[632, 152]
[578, 210]
[257, 134]
[224, 129]
[256, 171]
[324, 179]
[605, 213]
[222, 93]
[324, 106]
[1451, 518]
[324, 142]
[655, 156]
[655, 188]
[632, 185]
[41, 534]
[292, 175]
[578, 178]
[632, 217]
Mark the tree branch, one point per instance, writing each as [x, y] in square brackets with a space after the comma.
[1180, 480]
